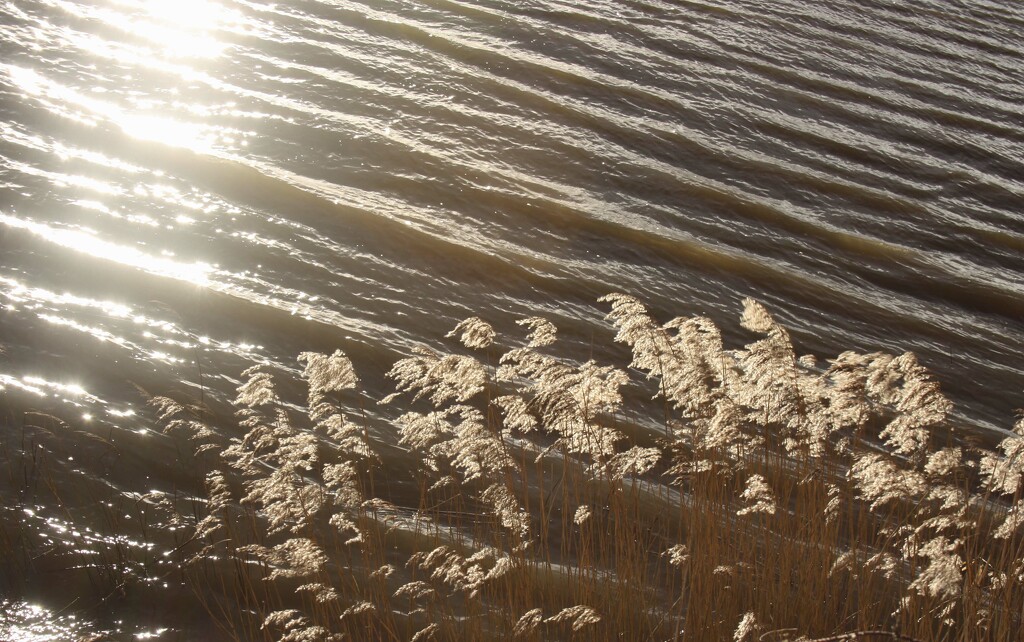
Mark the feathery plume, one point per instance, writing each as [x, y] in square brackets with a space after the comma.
[722, 432]
[880, 481]
[1012, 522]
[440, 379]
[678, 555]
[942, 577]
[176, 418]
[415, 590]
[321, 592]
[258, 390]
[298, 557]
[944, 462]
[583, 513]
[288, 500]
[218, 494]
[747, 629]
[326, 374]
[351, 438]
[476, 333]
[506, 507]
[358, 609]
[420, 432]
[633, 462]
[343, 480]
[517, 413]
[692, 366]
[542, 331]
[847, 391]
[217, 490]
[580, 615]
[756, 318]
[345, 525]
[835, 502]
[426, 633]
[920, 405]
[847, 561]
[758, 497]
[528, 623]
[1004, 473]
[287, 619]
[596, 440]
[476, 451]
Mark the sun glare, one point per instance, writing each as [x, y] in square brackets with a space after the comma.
[181, 29]
[60, 99]
[81, 241]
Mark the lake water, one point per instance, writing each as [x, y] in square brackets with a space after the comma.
[190, 188]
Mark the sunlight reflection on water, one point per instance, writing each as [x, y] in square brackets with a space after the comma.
[182, 29]
[82, 241]
[24, 622]
[133, 119]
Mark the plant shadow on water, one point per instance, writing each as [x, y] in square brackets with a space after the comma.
[761, 496]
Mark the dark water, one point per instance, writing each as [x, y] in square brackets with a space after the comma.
[191, 188]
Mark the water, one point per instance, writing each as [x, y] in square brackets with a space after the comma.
[191, 188]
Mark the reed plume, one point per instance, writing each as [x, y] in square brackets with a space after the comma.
[782, 494]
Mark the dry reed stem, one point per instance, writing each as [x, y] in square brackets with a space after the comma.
[814, 499]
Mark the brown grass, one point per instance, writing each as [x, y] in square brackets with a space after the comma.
[761, 497]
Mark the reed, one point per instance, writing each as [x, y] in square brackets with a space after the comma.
[697, 493]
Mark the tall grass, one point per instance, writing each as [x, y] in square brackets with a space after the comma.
[762, 496]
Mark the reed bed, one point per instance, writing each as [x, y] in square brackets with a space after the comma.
[761, 495]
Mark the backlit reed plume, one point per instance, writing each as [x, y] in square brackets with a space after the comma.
[764, 495]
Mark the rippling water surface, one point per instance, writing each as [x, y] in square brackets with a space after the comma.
[189, 188]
